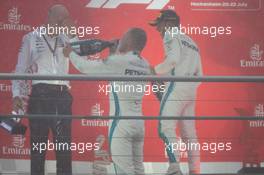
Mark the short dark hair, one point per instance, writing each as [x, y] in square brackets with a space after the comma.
[170, 15]
[139, 38]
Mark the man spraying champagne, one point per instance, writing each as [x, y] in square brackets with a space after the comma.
[126, 137]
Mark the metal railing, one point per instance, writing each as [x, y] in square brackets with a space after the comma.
[78, 77]
[81, 77]
[213, 79]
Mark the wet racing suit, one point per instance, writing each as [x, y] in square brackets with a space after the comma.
[126, 137]
[182, 59]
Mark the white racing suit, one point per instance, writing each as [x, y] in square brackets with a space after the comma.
[182, 59]
[126, 137]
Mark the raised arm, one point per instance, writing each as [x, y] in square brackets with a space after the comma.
[88, 66]
[84, 65]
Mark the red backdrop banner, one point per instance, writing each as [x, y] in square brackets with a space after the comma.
[237, 53]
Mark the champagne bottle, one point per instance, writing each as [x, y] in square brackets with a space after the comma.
[90, 47]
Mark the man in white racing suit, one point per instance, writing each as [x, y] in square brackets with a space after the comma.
[126, 137]
[182, 58]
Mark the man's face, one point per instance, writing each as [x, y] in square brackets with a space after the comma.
[57, 15]
[161, 27]
[58, 20]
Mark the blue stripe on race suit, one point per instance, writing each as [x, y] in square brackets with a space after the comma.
[114, 124]
[161, 134]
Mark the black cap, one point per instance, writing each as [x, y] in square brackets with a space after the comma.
[165, 15]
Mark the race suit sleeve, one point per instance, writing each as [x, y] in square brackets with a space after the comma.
[171, 58]
[89, 66]
[199, 70]
[69, 40]
[23, 62]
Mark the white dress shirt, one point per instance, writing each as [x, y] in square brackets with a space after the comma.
[36, 57]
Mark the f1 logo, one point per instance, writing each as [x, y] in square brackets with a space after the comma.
[112, 4]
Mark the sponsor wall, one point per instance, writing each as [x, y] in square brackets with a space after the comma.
[237, 53]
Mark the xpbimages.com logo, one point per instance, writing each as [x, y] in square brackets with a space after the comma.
[112, 4]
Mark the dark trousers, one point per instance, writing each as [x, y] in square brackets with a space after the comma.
[50, 99]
